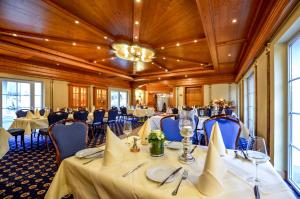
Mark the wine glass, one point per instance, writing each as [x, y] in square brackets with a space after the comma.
[257, 153]
[127, 129]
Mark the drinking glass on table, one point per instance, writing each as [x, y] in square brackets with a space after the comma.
[257, 153]
[127, 129]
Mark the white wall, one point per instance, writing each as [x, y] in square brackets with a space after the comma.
[218, 91]
[60, 94]
[180, 96]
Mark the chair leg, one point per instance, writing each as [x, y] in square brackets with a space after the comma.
[16, 141]
[31, 140]
[38, 140]
[23, 142]
[46, 140]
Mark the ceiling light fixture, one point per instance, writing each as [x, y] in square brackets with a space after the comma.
[46, 39]
[135, 37]
[98, 47]
[195, 41]
[77, 22]
[95, 62]
[162, 48]
[164, 58]
[178, 60]
[57, 64]
[105, 37]
[234, 20]
[138, 1]
[133, 52]
[159, 78]
[178, 44]
[229, 55]
[185, 76]
[103, 60]
[74, 44]
[166, 70]
[136, 22]
[15, 35]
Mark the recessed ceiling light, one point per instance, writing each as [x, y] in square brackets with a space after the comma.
[74, 44]
[185, 76]
[105, 37]
[98, 47]
[201, 64]
[178, 60]
[234, 20]
[162, 47]
[138, 1]
[178, 44]
[136, 37]
[152, 62]
[46, 39]
[112, 58]
[136, 22]
[160, 67]
[159, 78]
[77, 22]
[15, 35]
[103, 60]
[95, 62]
[229, 55]
[164, 58]
[195, 41]
[166, 70]
[57, 64]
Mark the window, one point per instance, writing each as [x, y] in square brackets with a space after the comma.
[100, 98]
[118, 98]
[294, 113]
[251, 103]
[18, 95]
[78, 96]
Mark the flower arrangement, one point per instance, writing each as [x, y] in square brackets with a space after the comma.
[156, 135]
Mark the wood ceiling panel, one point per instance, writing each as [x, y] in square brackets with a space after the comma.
[225, 11]
[228, 53]
[113, 16]
[37, 17]
[169, 21]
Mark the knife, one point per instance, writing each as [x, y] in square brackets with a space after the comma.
[92, 154]
[167, 178]
[244, 154]
[193, 149]
[256, 192]
[132, 170]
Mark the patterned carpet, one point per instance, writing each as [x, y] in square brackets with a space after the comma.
[28, 174]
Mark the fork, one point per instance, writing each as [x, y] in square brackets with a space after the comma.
[183, 177]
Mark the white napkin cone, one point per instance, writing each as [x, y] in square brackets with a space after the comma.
[211, 180]
[114, 149]
[93, 109]
[46, 113]
[29, 115]
[217, 139]
[37, 113]
[144, 132]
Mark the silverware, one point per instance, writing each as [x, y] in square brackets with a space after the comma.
[92, 154]
[244, 154]
[172, 174]
[193, 149]
[183, 177]
[256, 192]
[132, 170]
[236, 154]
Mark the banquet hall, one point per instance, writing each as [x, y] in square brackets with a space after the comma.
[149, 99]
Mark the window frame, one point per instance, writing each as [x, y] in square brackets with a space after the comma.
[290, 113]
[118, 90]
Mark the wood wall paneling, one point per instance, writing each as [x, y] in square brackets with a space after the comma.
[194, 96]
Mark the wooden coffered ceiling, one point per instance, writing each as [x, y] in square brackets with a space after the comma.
[195, 41]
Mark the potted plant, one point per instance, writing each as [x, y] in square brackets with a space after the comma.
[156, 139]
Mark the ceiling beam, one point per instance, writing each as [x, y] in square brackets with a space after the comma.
[178, 59]
[195, 81]
[275, 17]
[83, 23]
[231, 42]
[164, 46]
[46, 38]
[207, 18]
[136, 21]
[57, 57]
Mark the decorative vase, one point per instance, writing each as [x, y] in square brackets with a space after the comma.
[157, 148]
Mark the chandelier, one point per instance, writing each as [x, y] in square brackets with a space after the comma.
[133, 52]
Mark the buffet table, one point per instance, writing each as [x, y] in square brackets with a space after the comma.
[94, 180]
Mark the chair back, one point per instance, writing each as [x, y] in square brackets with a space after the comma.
[123, 110]
[98, 116]
[56, 117]
[230, 130]
[174, 110]
[112, 115]
[68, 138]
[42, 112]
[195, 138]
[22, 112]
[228, 111]
[170, 127]
[208, 112]
[81, 115]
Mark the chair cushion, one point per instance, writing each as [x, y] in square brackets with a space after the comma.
[16, 131]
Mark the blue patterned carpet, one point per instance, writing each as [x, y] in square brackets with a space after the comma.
[28, 174]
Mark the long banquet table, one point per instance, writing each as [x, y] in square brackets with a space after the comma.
[96, 181]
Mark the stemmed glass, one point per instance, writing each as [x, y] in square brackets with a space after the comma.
[127, 129]
[257, 153]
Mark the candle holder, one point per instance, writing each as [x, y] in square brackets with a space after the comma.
[186, 126]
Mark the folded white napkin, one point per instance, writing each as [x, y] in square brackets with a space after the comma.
[114, 149]
[57, 109]
[211, 180]
[46, 113]
[93, 109]
[245, 133]
[144, 132]
[217, 139]
[37, 113]
[29, 115]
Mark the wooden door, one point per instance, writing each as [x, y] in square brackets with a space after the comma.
[194, 96]
[100, 98]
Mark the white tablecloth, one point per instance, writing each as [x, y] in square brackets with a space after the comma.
[29, 124]
[141, 112]
[4, 146]
[96, 181]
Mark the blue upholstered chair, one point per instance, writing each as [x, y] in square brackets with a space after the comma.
[81, 115]
[112, 115]
[22, 112]
[52, 119]
[228, 111]
[170, 127]
[230, 130]
[208, 112]
[196, 137]
[174, 110]
[68, 137]
[98, 121]
[42, 112]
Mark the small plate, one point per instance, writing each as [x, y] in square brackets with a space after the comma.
[174, 145]
[88, 153]
[159, 173]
